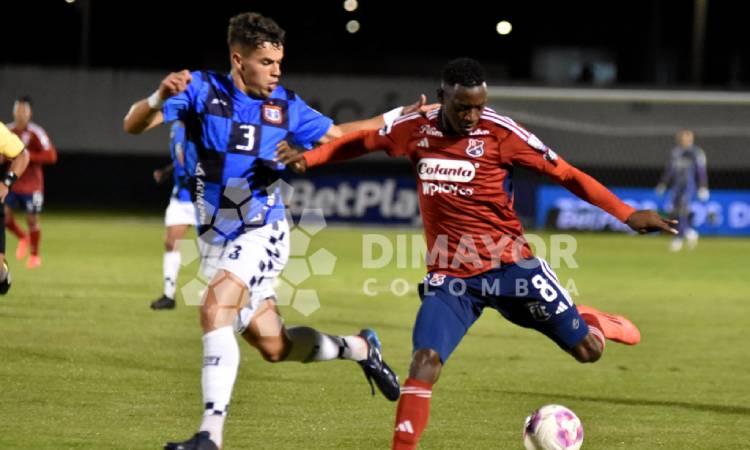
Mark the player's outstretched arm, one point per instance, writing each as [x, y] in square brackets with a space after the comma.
[647, 220]
[146, 113]
[347, 147]
[373, 123]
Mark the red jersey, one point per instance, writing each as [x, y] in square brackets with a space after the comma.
[41, 151]
[465, 188]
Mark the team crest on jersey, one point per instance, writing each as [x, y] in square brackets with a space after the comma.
[273, 114]
[475, 149]
[436, 279]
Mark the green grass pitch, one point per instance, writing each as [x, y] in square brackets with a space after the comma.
[85, 364]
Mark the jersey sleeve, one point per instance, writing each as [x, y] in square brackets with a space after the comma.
[394, 139]
[529, 152]
[352, 145]
[308, 124]
[177, 140]
[41, 149]
[10, 145]
[178, 106]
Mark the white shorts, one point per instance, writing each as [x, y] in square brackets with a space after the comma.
[257, 257]
[179, 213]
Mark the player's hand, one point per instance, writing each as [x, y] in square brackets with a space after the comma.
[420, 106]
[3, 193]
[174, 83]
[158, 176]
[290, 157]
[647, 220]
[703, 194]
[659, 189]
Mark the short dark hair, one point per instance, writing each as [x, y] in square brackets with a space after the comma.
[24, 99]
[465, 72]
[251, 30]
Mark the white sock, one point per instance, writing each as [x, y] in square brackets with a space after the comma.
[171, 267]
[309, 344]
[221, 358]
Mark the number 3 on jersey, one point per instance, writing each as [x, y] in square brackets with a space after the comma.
[244, 138]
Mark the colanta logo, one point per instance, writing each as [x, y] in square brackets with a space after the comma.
[445, 170]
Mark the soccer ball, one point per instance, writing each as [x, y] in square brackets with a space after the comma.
[553, 427]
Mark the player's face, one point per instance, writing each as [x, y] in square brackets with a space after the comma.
[21, 113]
[462, 107]
[259, 69]
[685, 139]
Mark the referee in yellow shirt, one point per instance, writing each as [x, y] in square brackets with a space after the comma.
[12, 151]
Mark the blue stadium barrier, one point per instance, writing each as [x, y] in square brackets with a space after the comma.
[727, 212]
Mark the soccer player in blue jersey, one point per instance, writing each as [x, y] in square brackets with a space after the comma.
[236, 122]
[685, 177]
[180, 213]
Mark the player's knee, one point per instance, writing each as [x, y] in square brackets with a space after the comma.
[272, 355]
[213, 316]
[588, 351]
[425, 365]
[208, 312]
[170, 245]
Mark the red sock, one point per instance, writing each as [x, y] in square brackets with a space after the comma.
[595, 328]
[12, 225]
[36, 235]
[412, 415]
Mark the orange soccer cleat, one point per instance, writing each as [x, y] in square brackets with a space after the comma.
[23, 247]
[615, 328]
[33, 262]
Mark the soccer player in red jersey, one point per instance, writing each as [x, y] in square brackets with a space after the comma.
[28, 191]
[463, 156]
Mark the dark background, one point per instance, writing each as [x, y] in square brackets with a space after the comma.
[653, 44]
[642, 36]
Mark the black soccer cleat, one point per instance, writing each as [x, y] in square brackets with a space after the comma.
[163, 302]
[5, 284]
[199, 441]
[376, 370]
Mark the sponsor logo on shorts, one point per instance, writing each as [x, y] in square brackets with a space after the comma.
[538, 311]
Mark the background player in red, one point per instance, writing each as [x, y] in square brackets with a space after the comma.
[28, 192]
[463, 156]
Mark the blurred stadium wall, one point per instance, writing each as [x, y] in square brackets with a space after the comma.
[622, 137]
